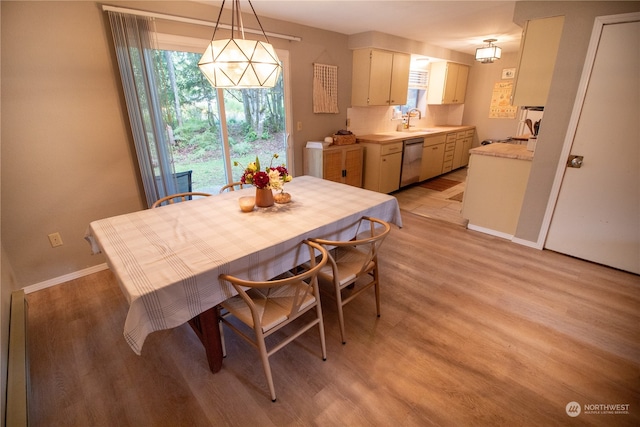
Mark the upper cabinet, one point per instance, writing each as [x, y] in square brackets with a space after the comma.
[537, 59]
[447, 83]
[379, 77]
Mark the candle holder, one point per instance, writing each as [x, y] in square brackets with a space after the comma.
[247, 203]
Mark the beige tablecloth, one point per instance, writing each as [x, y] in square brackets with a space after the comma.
[167, 260]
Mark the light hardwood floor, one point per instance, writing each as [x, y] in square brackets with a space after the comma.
[435, 204]
[475, 331]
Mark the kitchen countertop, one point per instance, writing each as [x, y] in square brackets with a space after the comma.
[510, 151]
[397, 136]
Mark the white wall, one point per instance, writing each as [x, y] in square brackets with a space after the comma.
[482, 78]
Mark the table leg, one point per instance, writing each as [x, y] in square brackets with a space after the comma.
[207, 329]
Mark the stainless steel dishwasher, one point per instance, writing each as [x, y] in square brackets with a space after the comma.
[411, 160]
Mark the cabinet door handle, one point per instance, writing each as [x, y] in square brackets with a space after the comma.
[344, 173]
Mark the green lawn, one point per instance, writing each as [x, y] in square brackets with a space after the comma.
[209, 175]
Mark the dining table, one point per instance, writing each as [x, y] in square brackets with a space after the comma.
[167, 260]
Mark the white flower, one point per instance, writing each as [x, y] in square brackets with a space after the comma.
[275, 180]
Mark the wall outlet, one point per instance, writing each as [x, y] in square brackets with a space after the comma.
[55, 239]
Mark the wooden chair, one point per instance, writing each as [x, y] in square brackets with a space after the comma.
[267, 306]
[353, 264]
[232, 186]
[178, 197]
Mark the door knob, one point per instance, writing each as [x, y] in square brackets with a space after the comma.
[575, 161]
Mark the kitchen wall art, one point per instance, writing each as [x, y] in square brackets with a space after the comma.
[501, 107]
[325, 88]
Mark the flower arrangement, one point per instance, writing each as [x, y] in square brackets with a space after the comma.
[272, 177]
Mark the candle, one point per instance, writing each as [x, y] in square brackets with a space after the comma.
[247, 203]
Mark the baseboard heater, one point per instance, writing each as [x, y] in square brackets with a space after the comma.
[18, 363]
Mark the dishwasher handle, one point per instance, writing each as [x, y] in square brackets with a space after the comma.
[413, 141]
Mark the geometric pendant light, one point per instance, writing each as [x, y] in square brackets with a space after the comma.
[240, 63]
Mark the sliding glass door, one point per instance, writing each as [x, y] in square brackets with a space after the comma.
[211, 128]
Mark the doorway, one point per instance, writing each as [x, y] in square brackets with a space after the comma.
[597, 213]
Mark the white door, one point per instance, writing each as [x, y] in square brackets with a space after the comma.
[597, 215]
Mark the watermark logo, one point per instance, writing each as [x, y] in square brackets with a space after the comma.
[573, 409]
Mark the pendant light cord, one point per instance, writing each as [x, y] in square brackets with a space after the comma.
[259, 23]
[218, 21]
[236, 20]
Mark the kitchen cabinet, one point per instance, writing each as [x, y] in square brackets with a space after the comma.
[496, 182]
[536, 61]
[432, 156]
[449, 149]
[339, 163]
[447, 83]
[382, 166]
[464, 139]
[379, 77]
[467, 143]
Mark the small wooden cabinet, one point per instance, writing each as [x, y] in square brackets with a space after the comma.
[447, 83]
[536, 61]
[339, 163]
[432, 156]
[379, 77]
[383, 164]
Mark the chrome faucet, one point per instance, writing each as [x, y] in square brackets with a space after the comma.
[409, 116]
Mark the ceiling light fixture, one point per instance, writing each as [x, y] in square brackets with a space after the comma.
[240, 63]
[489, 53]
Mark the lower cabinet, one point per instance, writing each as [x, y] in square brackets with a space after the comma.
[432, 156]
[457, 149]
[464, 140]
[339, 163]
[383, 164]
[441, 153]
[449, 152]
[467, 143]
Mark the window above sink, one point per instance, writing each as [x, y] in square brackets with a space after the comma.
[417, 92]
[415, 99]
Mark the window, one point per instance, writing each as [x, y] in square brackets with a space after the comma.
[211, 128]
[416, 95]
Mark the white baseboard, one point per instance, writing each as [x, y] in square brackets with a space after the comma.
[58, 280]
[507, 236]
[534, 245]
[489, 231]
